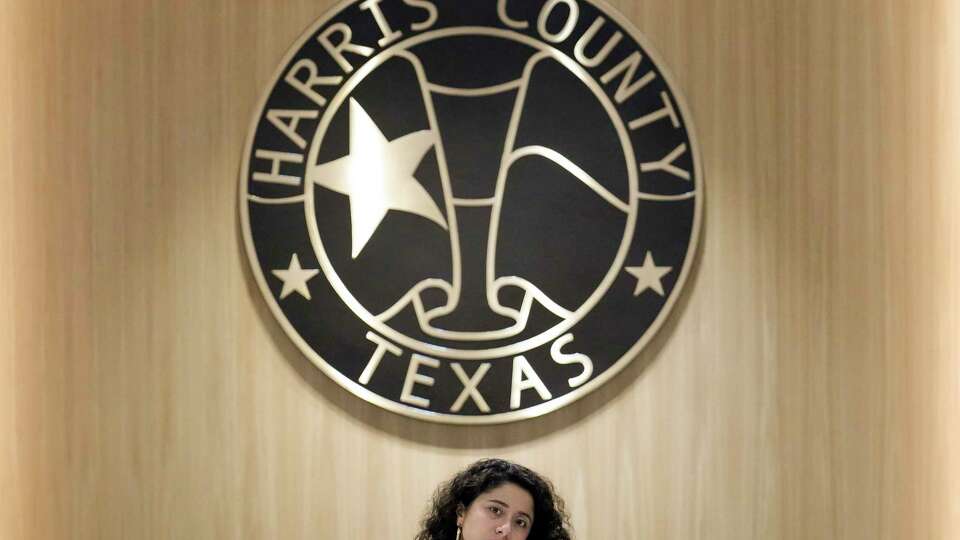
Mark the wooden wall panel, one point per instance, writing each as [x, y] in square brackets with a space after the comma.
[808, 385]
[9, 485]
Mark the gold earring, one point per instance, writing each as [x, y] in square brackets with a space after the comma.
[458, 532]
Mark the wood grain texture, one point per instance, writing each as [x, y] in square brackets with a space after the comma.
[808, 385]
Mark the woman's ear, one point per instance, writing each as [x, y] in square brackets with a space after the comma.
[460, 511]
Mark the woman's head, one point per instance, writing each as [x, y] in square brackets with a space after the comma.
[494, 499]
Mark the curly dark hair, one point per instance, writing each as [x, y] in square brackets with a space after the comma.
[550, 520]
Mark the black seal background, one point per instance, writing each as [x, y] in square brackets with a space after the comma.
[609, 330]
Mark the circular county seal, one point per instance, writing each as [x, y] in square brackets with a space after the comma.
[470, 212]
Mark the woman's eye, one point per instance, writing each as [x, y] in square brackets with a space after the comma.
[496, 510]
[522, 523]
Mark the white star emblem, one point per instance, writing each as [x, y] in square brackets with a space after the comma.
[377, 175]
[649, 275]
[295, 279]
